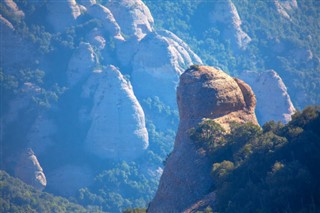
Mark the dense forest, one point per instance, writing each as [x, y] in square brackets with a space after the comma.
[268, 169]
[17, 196]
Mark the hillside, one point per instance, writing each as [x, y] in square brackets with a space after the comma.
[17, 196]
[88, 102]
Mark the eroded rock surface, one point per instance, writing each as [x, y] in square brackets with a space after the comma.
[160, 60]
[273, 100]
[28, 169]
[203, 92]
[117, 130]
[225, 12]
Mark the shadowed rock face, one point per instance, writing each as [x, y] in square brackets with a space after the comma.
[203, 92]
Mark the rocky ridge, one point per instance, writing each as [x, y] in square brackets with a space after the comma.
[203, 92]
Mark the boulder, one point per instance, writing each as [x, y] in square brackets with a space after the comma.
[117, 129]
[203, 92]
[28, 169]
[267, 86]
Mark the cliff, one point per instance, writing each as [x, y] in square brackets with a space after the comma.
[203, 92]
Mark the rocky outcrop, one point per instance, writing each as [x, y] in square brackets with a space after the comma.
[203, 92]
[81, 64]
[268, 86]
[160, 60]
[117, 129]
[28, 169]
[225, 12]
[12, 7]
[62, 14]
[106, 17]
[133, 17]
[285, 7]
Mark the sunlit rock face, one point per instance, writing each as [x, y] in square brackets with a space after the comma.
[62, 14]
[203, 92]
[225, 12]
[107, 19]
[28, 169]
[160, 60]
[267, 86]
[285, 7]
[133, 17]
[117, 129]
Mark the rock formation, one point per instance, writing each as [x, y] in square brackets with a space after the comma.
[28, 169]
[117, 129]
[62, 14]
[284, 7]
[106, 17]
[133, 17]
[203, 92]
[225, 12]
[157, 65]
[81, 64]
[268, 86]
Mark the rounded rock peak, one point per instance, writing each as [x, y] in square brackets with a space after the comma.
[205, 92]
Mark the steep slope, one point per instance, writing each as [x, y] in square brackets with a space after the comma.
[203, 92]
[75, 76]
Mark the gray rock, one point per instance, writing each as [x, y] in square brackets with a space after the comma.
[117, 129]
[106, 17]
[29, 170]
[62, 14]
[160, 60]
[225, 12]
[40, 135]
[87, 3]
[273, 100]
[82, 62]
[133, 17]
[285, 7]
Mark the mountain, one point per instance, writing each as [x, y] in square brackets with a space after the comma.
[88, 88]
[248, 168]
[203, 93]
